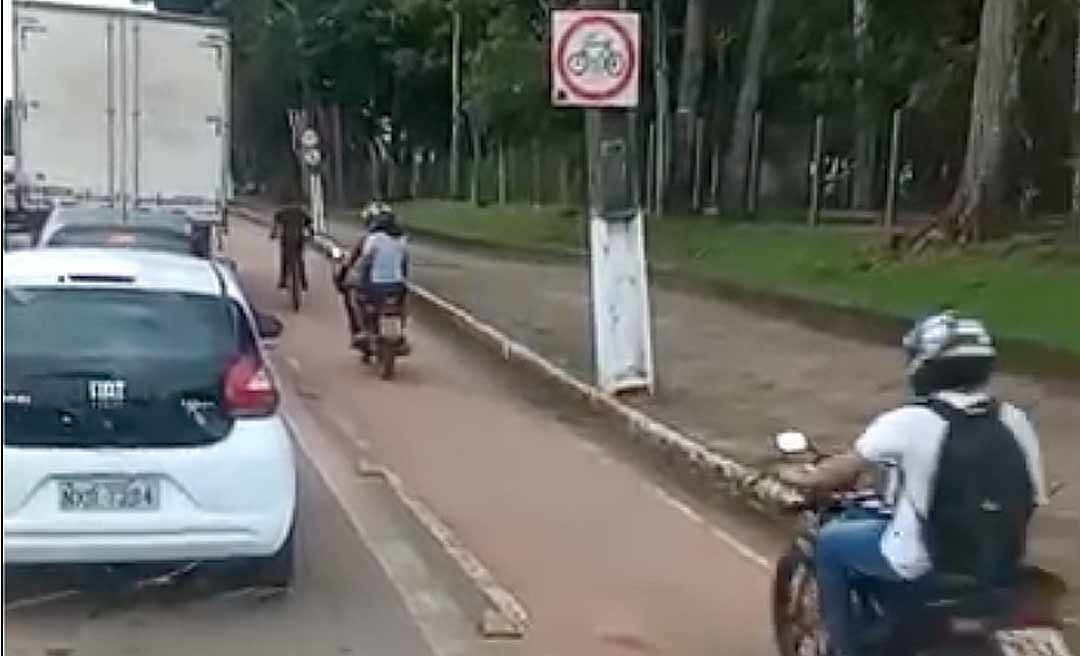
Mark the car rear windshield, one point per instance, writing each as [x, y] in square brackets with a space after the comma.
[157, 239]
[123, 368]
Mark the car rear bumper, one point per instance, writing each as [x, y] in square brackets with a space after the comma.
[256, 537]
[233, 499]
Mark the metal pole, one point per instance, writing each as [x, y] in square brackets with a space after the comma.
[815, 170]
[455, 108]
[894, 169]
[753, 187]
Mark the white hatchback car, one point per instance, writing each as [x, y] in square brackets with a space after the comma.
[140, 417]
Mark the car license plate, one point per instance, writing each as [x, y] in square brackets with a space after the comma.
[1032, 642]
[390, 327]
[109, 494]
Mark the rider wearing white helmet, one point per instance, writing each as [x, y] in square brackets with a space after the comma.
[953, 443]
[378, 265]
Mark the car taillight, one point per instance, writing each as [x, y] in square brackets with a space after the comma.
[249, 390]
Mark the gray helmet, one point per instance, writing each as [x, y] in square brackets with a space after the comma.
[948, 352]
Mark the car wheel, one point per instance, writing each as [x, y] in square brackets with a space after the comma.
[274, 571]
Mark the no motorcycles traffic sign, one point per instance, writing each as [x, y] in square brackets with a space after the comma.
[595, 58]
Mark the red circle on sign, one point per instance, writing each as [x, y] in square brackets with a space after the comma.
[624, 79]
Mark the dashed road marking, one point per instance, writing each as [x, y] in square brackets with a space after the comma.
[737, 545]
[39, 600]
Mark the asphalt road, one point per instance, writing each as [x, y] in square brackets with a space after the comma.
[606, 560]
[343, 603]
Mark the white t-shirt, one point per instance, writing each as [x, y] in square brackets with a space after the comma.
[912, 437]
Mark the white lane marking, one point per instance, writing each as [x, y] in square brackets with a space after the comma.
[737, 545]
[596, 451]
[39, 600]
[294, 363]
[671, 501]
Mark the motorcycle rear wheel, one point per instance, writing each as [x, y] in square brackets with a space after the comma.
[387, 356]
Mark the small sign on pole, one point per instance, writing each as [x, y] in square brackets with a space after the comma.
[595, 58]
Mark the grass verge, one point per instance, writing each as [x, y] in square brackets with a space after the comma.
[1030, 294]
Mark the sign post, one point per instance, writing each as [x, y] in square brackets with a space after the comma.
[312, 157]
[595, 63]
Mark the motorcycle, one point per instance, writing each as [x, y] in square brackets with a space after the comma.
[945, 616]
[385, 333]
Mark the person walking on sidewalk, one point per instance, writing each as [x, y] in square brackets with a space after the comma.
[292, 226]
[971, 477]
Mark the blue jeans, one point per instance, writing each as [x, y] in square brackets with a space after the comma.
[847, 550]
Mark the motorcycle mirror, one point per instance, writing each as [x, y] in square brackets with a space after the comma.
[793, 443]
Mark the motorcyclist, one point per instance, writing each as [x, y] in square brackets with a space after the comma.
[376, 269]
[293, 225]
[950, 361]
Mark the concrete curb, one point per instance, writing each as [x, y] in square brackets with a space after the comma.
[510, 619]
[739, 479]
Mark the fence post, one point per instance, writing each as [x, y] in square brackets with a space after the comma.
[753, 186]
[502, 171]
[564, 180]
[537, 175]
[699, 156]
[894, 169]
[714, 179]
[815, 170]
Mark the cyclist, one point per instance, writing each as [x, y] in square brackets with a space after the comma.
[293, 225]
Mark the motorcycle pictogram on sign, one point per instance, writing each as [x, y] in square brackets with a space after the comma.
[595, 58]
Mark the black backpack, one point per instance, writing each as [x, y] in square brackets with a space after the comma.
[983, 497]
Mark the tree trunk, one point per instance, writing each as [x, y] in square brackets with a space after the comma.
[455, 103]
[866, 142]
[691, 77]
[737, 162]
[376, 177]
[663, 104]
[981, 197]
[1075, 204]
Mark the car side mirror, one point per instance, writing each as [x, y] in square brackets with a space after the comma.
[268, 326]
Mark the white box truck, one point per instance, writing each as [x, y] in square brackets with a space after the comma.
[121, 105]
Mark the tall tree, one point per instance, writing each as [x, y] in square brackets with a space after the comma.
[982, 194]
[737, 162]
[1075, 190]
[691, 77]
[866, 146]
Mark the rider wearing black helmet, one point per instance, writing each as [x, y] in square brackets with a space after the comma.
[954, 444]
